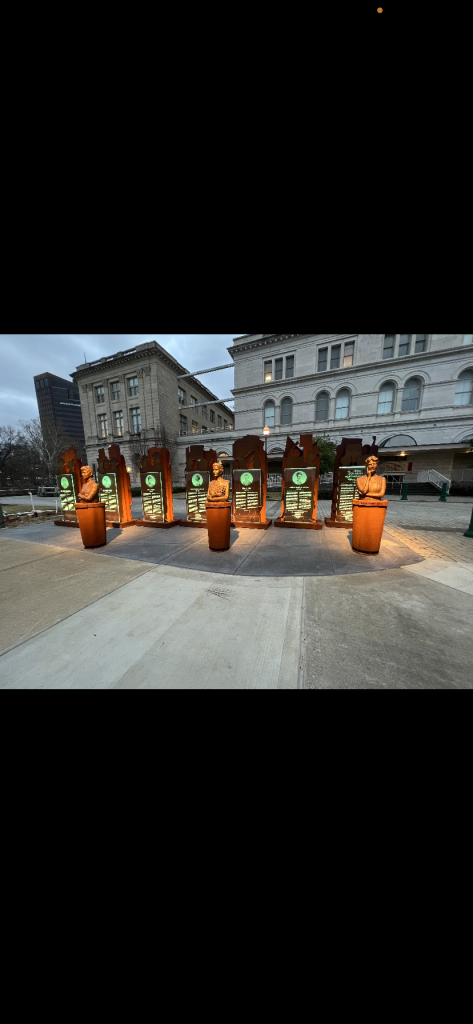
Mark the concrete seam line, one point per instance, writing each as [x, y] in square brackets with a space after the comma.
[234, 573]
[300, 680]
[66, 617]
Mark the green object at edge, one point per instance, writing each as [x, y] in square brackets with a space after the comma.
[469, 532]
[405, 488]
[443, 496]
[3, 524]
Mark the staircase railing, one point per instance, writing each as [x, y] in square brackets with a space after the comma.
[431, 476]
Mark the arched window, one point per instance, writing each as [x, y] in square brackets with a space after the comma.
[322, 406]
[343, 405]
[269, 413]
[286, 412]
[386, 399]
[464, 391]
[411, 396]
[399, 441]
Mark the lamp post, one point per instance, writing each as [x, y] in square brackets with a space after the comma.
[266, 433]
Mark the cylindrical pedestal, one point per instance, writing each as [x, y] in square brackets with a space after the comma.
[219, 514]
[91, 518]
[368, 525]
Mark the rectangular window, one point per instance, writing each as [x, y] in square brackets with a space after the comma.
[116, 391]
[335, 357]
[195, 427]
[279, 369]
[219, 418]
[349, 353]
[183, 426]
[268, 372]
[204, 430]
[322, 365]
[212, 416]
[388, 349]
[289, 366]
[421, 343]
[386, 401]
[225, 424]
[103, 429]
[119, 423]
[193, 400]
[135, 421]
[405, 345]
[99, 395]
[204, 412]
[182, 396]
[133, 386]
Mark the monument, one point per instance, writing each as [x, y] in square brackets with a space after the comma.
[300, 485]
[199, 468]
[156, 490]
[369, 511]
[349, 464]
[219, 510]
[250, 484]
[90, 512]
[69, 484]
[115, 487]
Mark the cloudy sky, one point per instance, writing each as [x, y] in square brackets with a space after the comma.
[24, 355]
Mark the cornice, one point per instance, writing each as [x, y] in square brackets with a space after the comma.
[271, 339]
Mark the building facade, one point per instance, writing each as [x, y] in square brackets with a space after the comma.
[136, 399]
[59, 406]
[414, 392]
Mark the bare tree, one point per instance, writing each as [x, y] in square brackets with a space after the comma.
[139, 445]
[46, 445]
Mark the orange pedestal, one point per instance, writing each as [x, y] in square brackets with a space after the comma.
[91, 518]
[368, 525]
[219, 516]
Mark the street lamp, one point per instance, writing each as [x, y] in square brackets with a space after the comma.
[266, 433]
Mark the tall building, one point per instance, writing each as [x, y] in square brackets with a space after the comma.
[59, 405]
[137, 399]
[413, 391]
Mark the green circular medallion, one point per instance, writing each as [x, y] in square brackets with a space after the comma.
[64, 482]
[150, 480]
[197, 480]
[106, 482]
[299, 478]
[246, 479]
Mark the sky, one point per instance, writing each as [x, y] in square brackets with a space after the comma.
[24, 355]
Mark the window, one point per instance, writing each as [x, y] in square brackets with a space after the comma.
[219, 418]
[279, 369]
[193, 400]
[103, 428]
[36, 383]
[335, 357]
[133, 386]
[204, 412]
[323, 354]
[183, 426]
[322, 406]
[289, 367]
[116, 391]
[204, 430]
[268, 372]
[386, 399]
[421, 343]
[182, 396]
[41, 383]
[411, 396]
[388, 350]
[399, 441]
[349, 353]
[225, 424]
[464, 389]
[212, 416]
[286, 412]
[269, 414]
[119, 423]
[135, 421]
[99, 395]
[405, 344]
[342, 405]
[195, 427]
[467, 339]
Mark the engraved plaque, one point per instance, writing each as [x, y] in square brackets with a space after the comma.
[299, 495]
[197, 485]
[152, 496]
[247, 495]
[109, 494]
[67, 486]
[347, 491]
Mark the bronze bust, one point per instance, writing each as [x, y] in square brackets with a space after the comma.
[371, 485]
[219, 490]
[89, 490]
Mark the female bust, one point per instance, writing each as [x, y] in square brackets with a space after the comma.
[371, 485]
[219, 490]
[89, 489]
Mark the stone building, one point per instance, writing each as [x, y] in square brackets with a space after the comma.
[413, 391]
[135, 399]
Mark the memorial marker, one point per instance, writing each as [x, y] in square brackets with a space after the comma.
[250, 482]
[199, 463]
[301, 468]
[69, 484]
[156, 490]
[349, 466]
[115, 487]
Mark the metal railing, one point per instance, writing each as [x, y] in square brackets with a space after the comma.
[462, 476]
[431, 476]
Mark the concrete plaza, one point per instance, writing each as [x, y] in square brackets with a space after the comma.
[149, 611]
